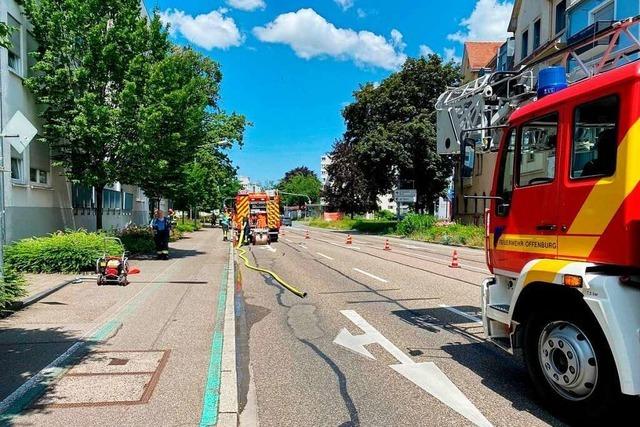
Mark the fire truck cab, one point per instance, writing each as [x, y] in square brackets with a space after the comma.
[563, 241]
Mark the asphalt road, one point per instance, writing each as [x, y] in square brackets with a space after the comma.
[412, 298]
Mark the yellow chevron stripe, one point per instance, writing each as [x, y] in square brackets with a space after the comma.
[609, 193]
[545, 271]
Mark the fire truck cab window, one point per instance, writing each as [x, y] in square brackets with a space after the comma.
[594, 139]
[506, 167]
[537, 151]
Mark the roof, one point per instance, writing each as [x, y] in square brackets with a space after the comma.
[480, 54]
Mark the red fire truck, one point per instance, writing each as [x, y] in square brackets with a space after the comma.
[563, 227]
[262, 212]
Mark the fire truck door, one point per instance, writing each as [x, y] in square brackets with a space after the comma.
[526, 222]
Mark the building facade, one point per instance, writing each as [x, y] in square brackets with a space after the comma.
[38, 198]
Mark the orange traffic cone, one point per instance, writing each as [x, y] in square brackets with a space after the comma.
[282, 231]
[387, 247]
[349, 239]
[454, 260]
[306, 236]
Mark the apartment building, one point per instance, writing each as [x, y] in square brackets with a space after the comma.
[38, 198]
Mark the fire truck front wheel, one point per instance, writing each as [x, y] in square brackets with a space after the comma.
[570, 363]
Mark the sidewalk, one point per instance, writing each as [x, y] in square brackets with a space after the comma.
[147, 346]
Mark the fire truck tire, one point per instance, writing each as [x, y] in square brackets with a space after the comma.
[273, 237]
[570, 363]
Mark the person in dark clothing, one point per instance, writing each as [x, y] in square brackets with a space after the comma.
[161, 226]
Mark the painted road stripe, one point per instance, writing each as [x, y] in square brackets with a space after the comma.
[287, 240]
[461, 313]
[371, 275]
[324, 256]
[209, 415]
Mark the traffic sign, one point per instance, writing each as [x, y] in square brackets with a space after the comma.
[405, 196]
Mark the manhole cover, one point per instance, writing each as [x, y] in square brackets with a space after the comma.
[105, 378]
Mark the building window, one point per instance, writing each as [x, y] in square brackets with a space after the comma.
[15, 50]
[82, 196]
[561, 16]
[604, 12]
[537, 148]
[536, 35]
[32, 47]
[594, 138]
[16, 169]
[525, 44]
[39, 176]
[128, 203]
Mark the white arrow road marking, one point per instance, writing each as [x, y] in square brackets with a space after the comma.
[371, 275]
[268, 248]
[371, 335]
[474, 319]
[431, 379]
[426, 375]
[324, 256]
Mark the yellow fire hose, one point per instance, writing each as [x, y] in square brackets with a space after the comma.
[242, 254]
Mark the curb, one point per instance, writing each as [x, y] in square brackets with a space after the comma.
[18, 305]
[228, 405]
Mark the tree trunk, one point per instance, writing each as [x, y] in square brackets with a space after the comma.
[99, 193]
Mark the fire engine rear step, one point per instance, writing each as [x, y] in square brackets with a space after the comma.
[499, 312]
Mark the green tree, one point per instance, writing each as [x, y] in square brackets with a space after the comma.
[301, 183]
[391, 129]
[300, 170]
[179, 121]
[346, 188]
[5, 35]
[87, 51]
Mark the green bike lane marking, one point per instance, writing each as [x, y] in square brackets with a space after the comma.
[209, 416]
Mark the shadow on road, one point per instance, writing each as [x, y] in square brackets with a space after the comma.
[24, 353]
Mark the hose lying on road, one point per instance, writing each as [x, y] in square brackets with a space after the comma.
[242, 254]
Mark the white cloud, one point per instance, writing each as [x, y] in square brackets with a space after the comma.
[247, 4]
[345, 4]
[450, 55]
[211, 30]
[488, 21]
[361, 13]
[425, 50]
[310, 35]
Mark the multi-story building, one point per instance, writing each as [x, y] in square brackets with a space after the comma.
[38, 198]
[478, 57]
[325, 161]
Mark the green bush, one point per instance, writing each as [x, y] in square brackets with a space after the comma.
[12, 288]
[413, 222]
[137, 240]
[62, 252]
[188, 226]
[386, 215]
[375, 226]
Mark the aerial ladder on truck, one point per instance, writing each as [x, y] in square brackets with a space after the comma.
[563, 226]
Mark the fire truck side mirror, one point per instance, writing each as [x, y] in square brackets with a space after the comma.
[502, 209]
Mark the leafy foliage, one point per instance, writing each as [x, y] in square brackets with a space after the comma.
[5, 41]
[349, 187]
[137, 240]
[62, 252]
[300, 180]
[12, 287]
[87, 52]
[391, 138]
[414, 222]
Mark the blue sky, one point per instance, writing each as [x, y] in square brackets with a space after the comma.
[291, 65]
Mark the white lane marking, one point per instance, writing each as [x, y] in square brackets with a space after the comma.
[371, 335]
[287, 240]
[270, 248]
[412, 247]
[371, 275]
[324, 256]
[462, 313]
[303, 246]
[425, 375]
